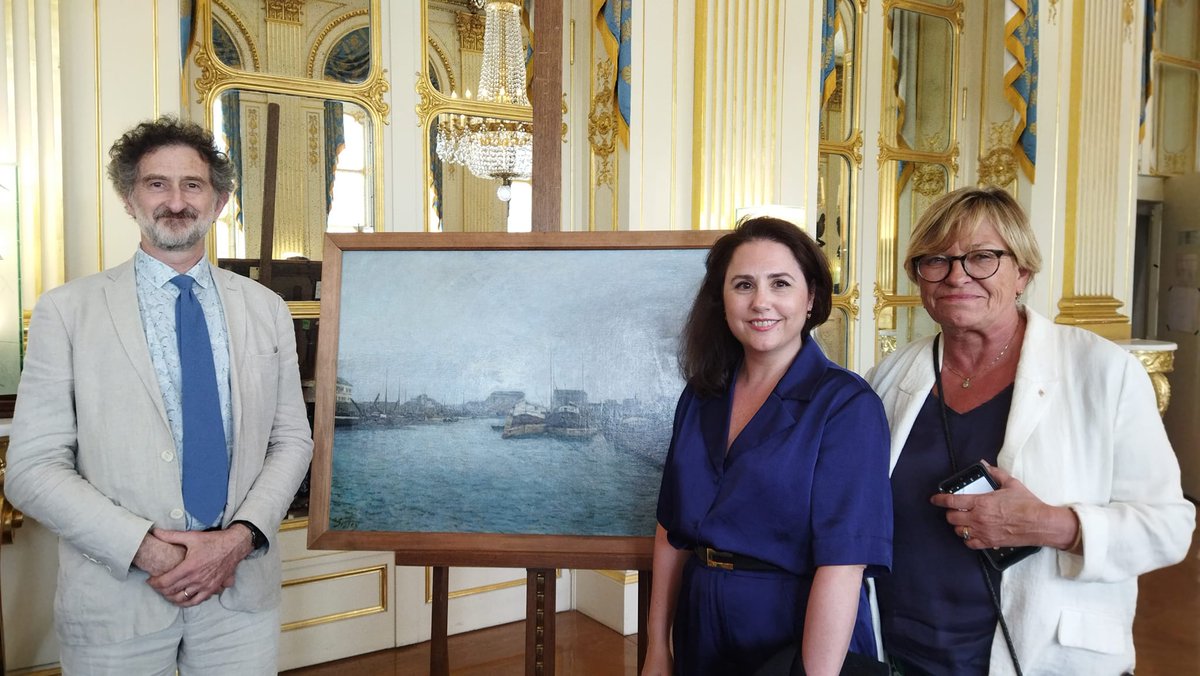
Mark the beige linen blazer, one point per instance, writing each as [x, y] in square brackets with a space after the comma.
[92, 457]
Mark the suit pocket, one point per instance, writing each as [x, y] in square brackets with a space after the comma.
[1094, 631]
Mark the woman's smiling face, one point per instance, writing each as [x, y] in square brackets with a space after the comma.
[766, 299]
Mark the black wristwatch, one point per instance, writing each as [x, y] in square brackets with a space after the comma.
[257, 539]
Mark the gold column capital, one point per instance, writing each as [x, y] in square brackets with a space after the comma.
[1158, 358]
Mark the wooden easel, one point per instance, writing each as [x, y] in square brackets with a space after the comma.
[540, 595]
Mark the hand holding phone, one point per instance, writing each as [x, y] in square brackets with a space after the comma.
[976, 480]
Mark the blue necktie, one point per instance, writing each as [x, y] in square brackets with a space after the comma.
[205, 456]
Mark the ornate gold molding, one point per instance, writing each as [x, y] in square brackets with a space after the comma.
[376, 86]
[1128, 13]
[1053, 12]
[445, 59]
[253, 136]
[470, 31]
[284, 11]
[211, 76]
[315, 132]
[1158, 363]
[998, 165]
[884, 300]
[241, 26]
[602, 124]
[851, 148]
[1097, 314]
[10, 518]
[380, 606]
[312, 53]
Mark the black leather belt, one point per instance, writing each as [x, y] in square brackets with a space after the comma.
[715, 558]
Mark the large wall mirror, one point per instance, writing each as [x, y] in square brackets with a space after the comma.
[918, 153]
[293, 91]
[839, 167]
[476, 110]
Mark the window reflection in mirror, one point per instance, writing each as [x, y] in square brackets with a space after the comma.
[838, 94]
[322, 173]
[294, 39]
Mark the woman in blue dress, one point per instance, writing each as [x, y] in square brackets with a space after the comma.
[775, 497]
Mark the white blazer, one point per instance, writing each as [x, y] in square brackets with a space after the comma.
[92, 457]
[1084, 432]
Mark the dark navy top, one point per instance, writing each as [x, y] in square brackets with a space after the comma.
[803, 485]
[935, 608]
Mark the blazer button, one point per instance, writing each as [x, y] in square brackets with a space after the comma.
[167, 456]
[176, 513]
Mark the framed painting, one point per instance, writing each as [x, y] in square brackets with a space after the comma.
[498, 399]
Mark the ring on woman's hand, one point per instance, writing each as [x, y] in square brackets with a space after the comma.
[188, 596]
[966, 534]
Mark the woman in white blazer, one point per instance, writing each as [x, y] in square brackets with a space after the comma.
[1065, 424]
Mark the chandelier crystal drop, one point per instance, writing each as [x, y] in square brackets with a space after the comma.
[489, 147]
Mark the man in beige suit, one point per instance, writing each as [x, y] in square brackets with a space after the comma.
[150, 581]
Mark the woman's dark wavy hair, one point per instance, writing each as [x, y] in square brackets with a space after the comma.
[167, 130]
[708, 351]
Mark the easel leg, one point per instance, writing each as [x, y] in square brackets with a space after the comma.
[645, 581]
[539, 622]
[439, 654]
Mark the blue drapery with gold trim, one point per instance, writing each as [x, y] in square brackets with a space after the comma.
[349, 61]
[1020, 79]
[1149, 28]
[614, 19]
[187, 28]
[828, 29]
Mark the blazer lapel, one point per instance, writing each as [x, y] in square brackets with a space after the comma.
[1036, 381]
[122, 300]
[233, 305]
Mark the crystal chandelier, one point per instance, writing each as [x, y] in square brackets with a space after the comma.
[494, 148]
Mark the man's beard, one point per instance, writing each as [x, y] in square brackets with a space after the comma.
[171, 236]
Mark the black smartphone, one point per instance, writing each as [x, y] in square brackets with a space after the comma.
[975, 480]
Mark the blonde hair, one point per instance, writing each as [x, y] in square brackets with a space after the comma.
[960, 213]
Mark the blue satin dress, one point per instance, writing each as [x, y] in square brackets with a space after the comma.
[805, 484]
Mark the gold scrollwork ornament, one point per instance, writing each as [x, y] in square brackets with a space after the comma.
[602, 124]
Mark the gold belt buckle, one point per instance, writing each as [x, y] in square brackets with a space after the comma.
[713, 563]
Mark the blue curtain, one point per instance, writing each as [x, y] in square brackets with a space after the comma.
[828, 29]
[349, 61]
[1150, 27]
[187, 27]
[231, 105]
[435, 162]
[1021, 41]
[335, 140]
[614, 18]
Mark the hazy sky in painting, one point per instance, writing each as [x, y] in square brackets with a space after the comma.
[458, 325]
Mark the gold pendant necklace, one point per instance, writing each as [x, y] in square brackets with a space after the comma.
[966, 379]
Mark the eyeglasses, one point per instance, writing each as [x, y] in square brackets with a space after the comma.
[978, 264]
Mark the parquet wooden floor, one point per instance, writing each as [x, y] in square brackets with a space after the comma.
[1166, 633]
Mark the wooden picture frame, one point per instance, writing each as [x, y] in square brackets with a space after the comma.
[439, 344]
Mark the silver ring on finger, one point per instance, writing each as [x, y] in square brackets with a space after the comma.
[966, 533]
[186, 595]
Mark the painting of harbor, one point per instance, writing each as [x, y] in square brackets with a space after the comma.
[524, 392]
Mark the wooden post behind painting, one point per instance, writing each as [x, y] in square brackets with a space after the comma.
[270, 179]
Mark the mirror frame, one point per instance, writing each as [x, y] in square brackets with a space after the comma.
[850, 149]
[215, 78]
[887, 300]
